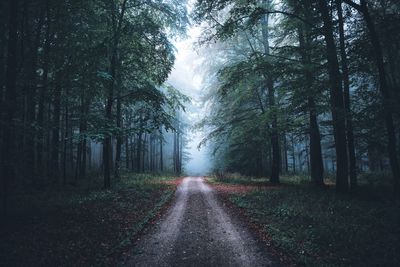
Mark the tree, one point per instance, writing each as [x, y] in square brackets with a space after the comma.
[383, 87]
[336, 92]
[8, 171]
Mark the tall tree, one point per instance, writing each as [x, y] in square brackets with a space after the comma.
[383, 87]
[8, 156]
[337, 102]
[269, 84]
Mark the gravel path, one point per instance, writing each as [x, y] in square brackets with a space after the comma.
[197, 231]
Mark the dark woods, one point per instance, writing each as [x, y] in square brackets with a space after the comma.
[297, 86]
[304, 86]
[82, 90]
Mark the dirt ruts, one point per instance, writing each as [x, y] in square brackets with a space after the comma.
[197, 231]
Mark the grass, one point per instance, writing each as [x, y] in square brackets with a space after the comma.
[81, 226]
[317, 227]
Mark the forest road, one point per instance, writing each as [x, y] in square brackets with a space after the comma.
[198, 231]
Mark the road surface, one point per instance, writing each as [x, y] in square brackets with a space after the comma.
[197, 231]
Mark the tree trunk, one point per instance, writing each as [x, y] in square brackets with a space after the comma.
[10, 105]
[337, 105]
[384, 89]
[161, 154]
[317, 167]
[127, 152]
[118, 148]
[174, 154]
[31, 96]
[285, 151]
[144, 152]
[387, 97]
[42, 96]
[139, 152]
[56, 132]
[293, 155]
[107, 145]
[133, 150]
[347, 103]
[269, 83]
[66, 136]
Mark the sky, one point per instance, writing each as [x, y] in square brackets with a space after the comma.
[185, 78]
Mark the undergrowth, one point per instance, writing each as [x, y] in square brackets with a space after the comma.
[317, 227]
[80, 226]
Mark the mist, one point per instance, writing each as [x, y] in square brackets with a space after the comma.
[189, 81]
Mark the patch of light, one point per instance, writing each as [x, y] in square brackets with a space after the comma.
[185, 78]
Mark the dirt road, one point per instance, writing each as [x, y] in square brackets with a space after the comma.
[197, 231]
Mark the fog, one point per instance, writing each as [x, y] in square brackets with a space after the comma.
[185, 78]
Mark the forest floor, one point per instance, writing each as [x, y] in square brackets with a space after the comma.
[199, 231]
[72, 226]
[311, 226]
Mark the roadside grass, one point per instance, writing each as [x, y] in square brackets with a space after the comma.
[317, 227]
[81, 226]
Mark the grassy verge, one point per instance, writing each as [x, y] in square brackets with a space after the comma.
[316, 227]
[83, 227]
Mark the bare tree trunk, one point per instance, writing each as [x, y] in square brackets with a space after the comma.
[385, 91]
[138, 152]
[42, 96]
[174, 154]
[56, 132]
[31, 109]
[127, 152]
[133, 147]
[317, 167]
[316, 163]
[337, 104]
[387, 97]
[10, 105]
[66, 136]
[285, 152]
[144, 152]
[180, 153]
[293, 155]
[161, 154]
[269, 83]
[346, 93]
[119, 140]
[107, 145]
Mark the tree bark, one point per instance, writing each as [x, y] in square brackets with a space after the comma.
[337, 105]
[10, 105]
[317, 167]
[56, 132]
[269, 83]
[347, 103]
[384, 89]
[161, 154]
[118, 148]
[139, 152]
[66, 136]
[31, 97]
[107, 145]
[42, 96]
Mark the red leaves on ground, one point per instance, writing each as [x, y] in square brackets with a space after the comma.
[85, 234]
[175, 182]
[223, 192]
[240, 189]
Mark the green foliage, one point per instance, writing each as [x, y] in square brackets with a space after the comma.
[320, 228]
[84, 225]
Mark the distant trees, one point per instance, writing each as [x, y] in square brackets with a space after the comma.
[324, 62]
[76, 73]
